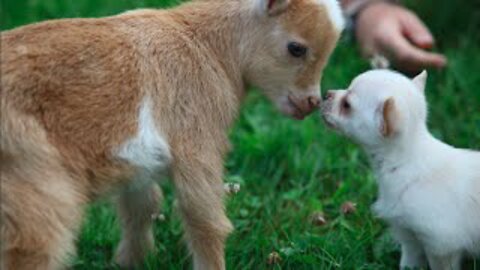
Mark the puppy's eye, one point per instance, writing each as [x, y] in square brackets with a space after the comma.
[296, 49]
[346, 106]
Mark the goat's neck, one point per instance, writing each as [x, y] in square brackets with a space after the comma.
[225, 29]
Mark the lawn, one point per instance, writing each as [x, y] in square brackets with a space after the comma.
[290, 170]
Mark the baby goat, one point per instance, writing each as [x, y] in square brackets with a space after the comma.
[91, 105]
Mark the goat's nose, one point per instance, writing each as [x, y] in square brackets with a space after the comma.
[313, 102]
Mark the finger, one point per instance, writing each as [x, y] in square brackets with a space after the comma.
[416, 31]
[406, 56]
[413, 66]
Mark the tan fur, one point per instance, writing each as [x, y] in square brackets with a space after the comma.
[306, 19]
[70, 96]
[389, 117]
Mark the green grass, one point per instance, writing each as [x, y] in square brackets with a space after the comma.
[288, 169]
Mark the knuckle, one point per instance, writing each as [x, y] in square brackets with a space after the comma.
[402, 56]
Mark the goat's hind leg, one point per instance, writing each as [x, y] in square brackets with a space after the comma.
[137, 207]
[39, 221]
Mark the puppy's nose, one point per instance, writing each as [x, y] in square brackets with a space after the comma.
[330, 95]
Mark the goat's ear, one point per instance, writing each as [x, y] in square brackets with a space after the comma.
[421, 80]
[272, 7]
[390, 118]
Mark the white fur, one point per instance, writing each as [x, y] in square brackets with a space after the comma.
[261, 6]
[148, 149]
[335, 12]
[332, 6]
[429, 192]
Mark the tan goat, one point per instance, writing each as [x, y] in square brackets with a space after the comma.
[90, 105]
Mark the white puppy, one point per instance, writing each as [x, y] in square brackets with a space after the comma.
[429, 191]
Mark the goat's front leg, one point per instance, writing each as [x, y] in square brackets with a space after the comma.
[199, 187]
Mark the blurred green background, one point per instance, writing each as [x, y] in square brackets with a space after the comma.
[290, 170]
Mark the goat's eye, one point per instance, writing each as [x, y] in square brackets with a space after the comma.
[296, 49]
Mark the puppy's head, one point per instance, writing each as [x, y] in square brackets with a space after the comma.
[378, 106]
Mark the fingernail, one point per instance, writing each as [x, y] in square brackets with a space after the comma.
[442, 62]
[426, 41]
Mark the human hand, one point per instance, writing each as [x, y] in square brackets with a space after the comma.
[398, 34]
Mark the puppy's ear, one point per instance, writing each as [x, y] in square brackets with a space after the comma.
[272, 7]
[421, 80]
[390, 118]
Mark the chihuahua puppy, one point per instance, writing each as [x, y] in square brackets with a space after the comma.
[429, 192]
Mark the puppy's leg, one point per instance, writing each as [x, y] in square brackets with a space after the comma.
[39, 221]
[451, 261]
[136, 209]
[413, 255]
[200, 191]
